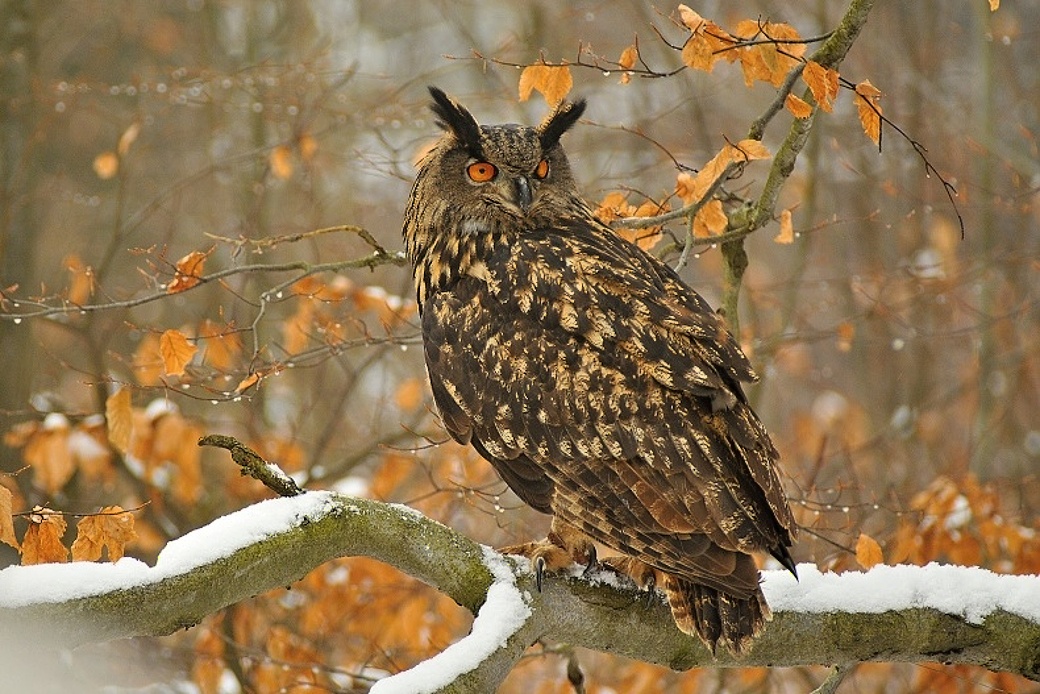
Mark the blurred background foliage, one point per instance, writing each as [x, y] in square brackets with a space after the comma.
[901, 372]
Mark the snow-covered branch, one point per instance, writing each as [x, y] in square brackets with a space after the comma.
[905, 614]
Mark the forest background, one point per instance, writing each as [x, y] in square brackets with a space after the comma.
[270, 145]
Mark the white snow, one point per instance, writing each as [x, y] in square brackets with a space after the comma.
[45, 583]
[501, 616]
[966, 591]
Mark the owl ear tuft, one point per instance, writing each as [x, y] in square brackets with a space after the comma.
[559, 122]
[454, 118]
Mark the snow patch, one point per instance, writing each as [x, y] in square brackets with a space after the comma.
[49, 583]
[501, 616]
[966, 591]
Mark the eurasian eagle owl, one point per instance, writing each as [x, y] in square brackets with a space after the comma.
[602, 389]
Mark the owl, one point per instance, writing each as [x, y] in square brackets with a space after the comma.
[603, 390]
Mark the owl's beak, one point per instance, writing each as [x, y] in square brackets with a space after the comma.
[522, 192]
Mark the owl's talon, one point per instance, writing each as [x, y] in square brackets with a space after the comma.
[591, 561]
[539, 569]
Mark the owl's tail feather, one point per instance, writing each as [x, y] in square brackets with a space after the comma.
[715, 617]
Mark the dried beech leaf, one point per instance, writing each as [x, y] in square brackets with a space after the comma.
[42, 541]
[281, 162]
[176, 352]
[797, 106]
[554, 82]
[786, 234]
[188, 272]
[106, 165]
[711, 220]
[112, 528]
[119, 417]
[7, 535]
[868, 551]
[823, 83]
[866, 100]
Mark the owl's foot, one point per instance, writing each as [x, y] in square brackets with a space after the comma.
[563, 547]
[643, 575]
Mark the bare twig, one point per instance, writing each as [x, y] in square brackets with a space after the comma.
[253, 465]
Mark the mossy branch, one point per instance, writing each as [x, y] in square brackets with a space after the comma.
[601, 617]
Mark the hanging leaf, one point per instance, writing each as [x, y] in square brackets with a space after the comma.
[711, 220]
[627, 61]
[867, 103]
[128, 138]
[786, 234]
[42, 541]
[188, 272]
[7, 535]
[797, 106]
[106, 165]
[112, 528]
[119, 416]
[281, 162]
[868, 551]
[176, 352]
[823, 83]
[553, 81]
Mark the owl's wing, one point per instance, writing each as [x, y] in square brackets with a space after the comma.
[556, 367]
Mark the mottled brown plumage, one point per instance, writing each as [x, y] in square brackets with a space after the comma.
[602, 389]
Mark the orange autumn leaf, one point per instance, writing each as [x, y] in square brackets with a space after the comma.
[128, 138]
[797, 106]
[868, 551]
[119, 418]
[994, 5]
[42, 541]
[846, 332]
[690, 189]
[308, 146]
[823, 83]
[786, 234]
[247, 382]
[81, 280]
[613, 206]
[112, 528]
[708, 42]
[627, 61]
[409, 395]
[188, 272]
[222, 344]
[148, 363]
[7, 535]
[47, 451]
[281, 162]
[106, 165]
[768, 61]
[553, 81]
[710, 220]
[176, 352]
[867, 104]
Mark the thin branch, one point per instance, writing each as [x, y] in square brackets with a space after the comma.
[253, 465]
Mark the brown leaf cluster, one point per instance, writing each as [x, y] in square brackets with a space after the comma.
[766, 51]
[188, 272]
[110, 529]
[553, 82]
[615, 206]
[711, 219]
[964, 523]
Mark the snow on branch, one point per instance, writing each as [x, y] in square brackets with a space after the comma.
[897, 614]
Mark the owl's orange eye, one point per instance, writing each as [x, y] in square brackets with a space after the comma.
[542, 170]
[481, 171]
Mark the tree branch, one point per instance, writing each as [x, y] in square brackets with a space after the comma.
[300, 533]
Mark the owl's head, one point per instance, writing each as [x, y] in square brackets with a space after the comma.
[482, 184]
[510, 168]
